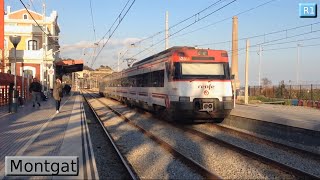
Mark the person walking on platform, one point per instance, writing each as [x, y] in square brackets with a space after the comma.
[35, 89]
[57, 93]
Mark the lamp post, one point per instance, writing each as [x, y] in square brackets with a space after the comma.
[15, 41]
[13, 107]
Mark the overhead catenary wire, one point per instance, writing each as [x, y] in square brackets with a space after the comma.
[174, 34]
[202, 18]
[263, 35]
[224, 6]
[35, 20]
[114, 22]
[31, 2]
[92, 21]
[291, 47]
[93, 29]
[120, 20]
[283, 48]
[225, 19]
[275, 40]
[182, 21]
[286, 42]
[108, 32]
[267, 43]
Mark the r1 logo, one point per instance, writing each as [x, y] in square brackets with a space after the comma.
[308, 10]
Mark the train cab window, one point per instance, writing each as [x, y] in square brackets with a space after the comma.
[201, 71]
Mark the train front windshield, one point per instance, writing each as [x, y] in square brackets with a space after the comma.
[201, 71]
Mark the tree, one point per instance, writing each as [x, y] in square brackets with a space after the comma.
[104, 67]
[87, 68]
[266, 82]
[281, 91]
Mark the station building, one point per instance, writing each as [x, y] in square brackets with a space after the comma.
[39, 45]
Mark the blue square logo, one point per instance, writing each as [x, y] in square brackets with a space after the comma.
[308, 10]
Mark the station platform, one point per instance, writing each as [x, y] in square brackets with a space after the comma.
[294, 116]
[40, 131]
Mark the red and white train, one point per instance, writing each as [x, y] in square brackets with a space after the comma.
[182, 82]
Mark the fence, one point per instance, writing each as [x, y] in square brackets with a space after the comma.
[301, 92]
[6, 80]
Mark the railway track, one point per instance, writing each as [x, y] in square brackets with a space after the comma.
[254, 137]
[299, 139]
[278, 165]
[178, 155]
[126, 165]
[274, 163]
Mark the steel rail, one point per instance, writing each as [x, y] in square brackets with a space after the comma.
[124, 161]
[250, 154]
[188, 161]
[274, 144]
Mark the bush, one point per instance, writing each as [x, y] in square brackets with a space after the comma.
[260, 98]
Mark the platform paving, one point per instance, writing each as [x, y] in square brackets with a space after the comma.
[39, 131]
[295, 116]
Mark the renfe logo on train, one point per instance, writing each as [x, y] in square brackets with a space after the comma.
[206, 86]
[206, 92]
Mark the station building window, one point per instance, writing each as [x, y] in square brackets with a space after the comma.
[28, 72]
[32, 45]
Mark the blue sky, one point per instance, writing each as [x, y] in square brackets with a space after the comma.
[147, 17]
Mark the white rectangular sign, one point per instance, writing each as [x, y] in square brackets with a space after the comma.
[42, 165]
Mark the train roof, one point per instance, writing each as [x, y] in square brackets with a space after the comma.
[162, 53]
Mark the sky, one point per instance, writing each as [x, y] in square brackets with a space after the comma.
[277, 24]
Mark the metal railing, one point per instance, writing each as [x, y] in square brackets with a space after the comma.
[283, 91]
[6, 80]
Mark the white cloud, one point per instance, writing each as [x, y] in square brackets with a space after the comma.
[112, 44]
[85, 49]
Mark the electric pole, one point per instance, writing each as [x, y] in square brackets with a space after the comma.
[298, 62]
[246, 98]
[167, 30]
[234, 60]
[260, 56]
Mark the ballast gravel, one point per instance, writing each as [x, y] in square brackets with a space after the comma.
[148, 159]
[224, 162]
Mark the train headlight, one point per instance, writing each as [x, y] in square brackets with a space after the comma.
[227, 98]
[184, 99]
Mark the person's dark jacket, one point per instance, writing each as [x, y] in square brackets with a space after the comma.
[35, 86]
[67, 88]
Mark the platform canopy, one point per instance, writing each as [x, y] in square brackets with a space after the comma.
[68, 66]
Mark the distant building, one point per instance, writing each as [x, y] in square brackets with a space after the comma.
[92, 78]
[36, 51]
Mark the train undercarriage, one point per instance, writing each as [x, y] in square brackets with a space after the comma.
[200, 110]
